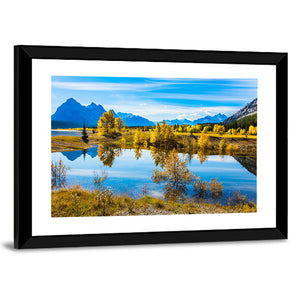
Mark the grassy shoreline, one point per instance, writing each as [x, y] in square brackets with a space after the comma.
[76, 201]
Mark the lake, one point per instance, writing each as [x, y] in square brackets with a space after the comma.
[66, 132]
[128, 170]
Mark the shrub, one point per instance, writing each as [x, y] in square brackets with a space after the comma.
[158, 203]
[105, 203]
[58, 174]
[145, 189]
[99, 180]
[201, 189]
[216, 189]
[237, 199]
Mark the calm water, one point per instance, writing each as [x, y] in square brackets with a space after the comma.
[128, 174]
[66, 133]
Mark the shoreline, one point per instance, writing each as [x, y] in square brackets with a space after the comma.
[247, 147]
[76, 201]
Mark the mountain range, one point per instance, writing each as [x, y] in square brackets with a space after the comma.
[133, 120]
[247, 110]
[219, 118]
[72, 114]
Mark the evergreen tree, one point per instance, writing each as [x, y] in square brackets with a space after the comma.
[84, 133]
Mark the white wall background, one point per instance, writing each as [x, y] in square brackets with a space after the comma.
[241, 270]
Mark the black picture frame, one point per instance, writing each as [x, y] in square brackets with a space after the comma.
[23, 56]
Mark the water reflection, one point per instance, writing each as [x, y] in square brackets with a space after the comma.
[130, 170]
[175, 176]
[202, 156]
[248, 162]
[107, 153]
[159, 156]
[138, 152]
[73, 155]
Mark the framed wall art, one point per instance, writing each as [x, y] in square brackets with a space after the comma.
[143, 146]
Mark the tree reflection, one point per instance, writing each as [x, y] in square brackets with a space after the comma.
[138, 152]
[159, 156]
[175, 175]
[190, 146]
[202, 156]
[107, 153]
[84, 153]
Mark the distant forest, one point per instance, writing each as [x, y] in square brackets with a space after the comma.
[243, 123]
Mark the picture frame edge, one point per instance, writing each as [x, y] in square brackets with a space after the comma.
[23, 239]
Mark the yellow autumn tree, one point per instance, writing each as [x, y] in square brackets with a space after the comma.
[162, 134]
[106, 123]
[243, 131]
[207, 129]
[252, 130]
[216, 128]
[119, 124]
[156, 137]
[138, 137]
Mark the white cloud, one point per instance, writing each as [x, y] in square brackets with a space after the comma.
[157, 112]
[109, 86]
[203, 97]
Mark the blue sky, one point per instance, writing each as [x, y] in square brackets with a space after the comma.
[157, 98]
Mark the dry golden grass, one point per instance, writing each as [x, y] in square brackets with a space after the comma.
[75, 201]
[225, 135]
[69, 143]
[236, 136]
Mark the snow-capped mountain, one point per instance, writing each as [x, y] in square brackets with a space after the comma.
[247, 110]
[73, 114]
[134, 120]
[219, 118]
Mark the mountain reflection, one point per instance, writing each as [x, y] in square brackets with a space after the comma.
[73, 155]
[248, 162]
[108, 152]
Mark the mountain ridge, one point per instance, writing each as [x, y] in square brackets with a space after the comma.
[134, 120]
[72, 111]
[218, 118]
[248, 110]
[71, 114]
